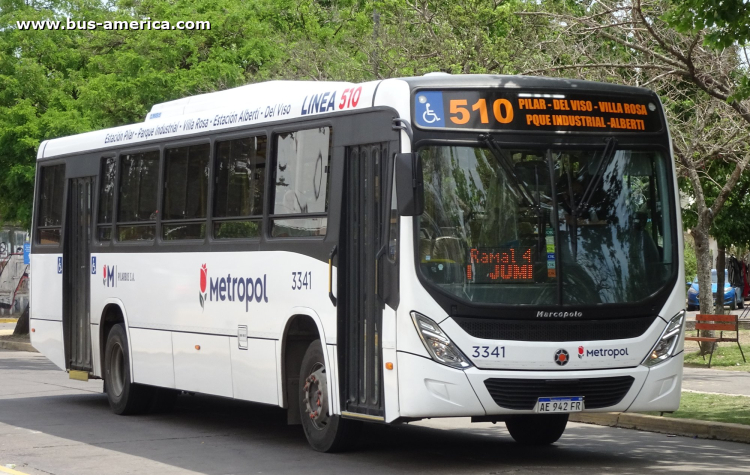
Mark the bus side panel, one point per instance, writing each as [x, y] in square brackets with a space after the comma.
[254, 370]
[46, 287]
[390, 377]
[429, 389]
[333, 379]
[202, 363]
[152, 357]
[47, 337]
[46, 307]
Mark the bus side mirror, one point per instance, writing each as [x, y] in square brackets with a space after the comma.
[409, 185]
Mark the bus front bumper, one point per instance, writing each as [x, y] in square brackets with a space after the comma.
[429, 389]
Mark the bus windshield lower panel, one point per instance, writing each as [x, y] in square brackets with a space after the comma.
[545, 226]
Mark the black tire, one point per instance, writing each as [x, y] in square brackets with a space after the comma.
[324, 432]
[537, 429]
[124, 396]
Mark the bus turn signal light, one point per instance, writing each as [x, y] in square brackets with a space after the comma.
[389, 366]
[197, 347]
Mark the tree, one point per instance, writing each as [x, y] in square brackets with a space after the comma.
[55, 83]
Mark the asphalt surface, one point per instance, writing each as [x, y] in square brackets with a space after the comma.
[716, 381]
[52, 425]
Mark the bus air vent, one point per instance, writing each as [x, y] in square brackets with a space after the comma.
[522, 394]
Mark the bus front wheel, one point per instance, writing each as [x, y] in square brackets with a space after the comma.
[537, 429]
[125, 397]
[325, 432]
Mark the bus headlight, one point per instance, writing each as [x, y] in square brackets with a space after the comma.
[437, 343]
[670, 337]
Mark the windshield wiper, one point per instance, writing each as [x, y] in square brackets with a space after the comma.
[506, 163]
[610, 147]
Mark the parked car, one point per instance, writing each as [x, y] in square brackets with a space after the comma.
[732, 295]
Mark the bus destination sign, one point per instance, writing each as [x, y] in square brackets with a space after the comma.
[506, 265]
[519, 111]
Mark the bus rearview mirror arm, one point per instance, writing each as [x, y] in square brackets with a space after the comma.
[409, 184]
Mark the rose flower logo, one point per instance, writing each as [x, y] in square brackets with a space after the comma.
[202, 295]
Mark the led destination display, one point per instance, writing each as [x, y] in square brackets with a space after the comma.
[504, 110]
[514, 264]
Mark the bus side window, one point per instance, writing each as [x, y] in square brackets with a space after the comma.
[301, 183]
[185, 192]
[106, 199]
[240, 171]
[139, 185]
[51, 188]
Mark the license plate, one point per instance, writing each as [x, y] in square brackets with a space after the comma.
[550, 405]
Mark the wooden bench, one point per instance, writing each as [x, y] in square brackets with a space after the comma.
[721, 323]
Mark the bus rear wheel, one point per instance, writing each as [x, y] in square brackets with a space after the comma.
[125, 397]
[325, 432]
[537, 429]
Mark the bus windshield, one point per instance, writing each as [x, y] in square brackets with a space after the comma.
[541, 226]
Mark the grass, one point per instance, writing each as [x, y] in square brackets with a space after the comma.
[712, 407]
[726, 355]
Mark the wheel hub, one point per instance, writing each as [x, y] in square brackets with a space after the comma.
[117, 371]
[316, 397]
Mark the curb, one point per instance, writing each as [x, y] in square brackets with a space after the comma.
[667, 425]
[8, 320]
[17, 346]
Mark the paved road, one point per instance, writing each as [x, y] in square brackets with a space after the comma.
[716, 381]
[52, 425]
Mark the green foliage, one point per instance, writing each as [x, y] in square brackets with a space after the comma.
[731, 226]
[712, 407]
[61, 82]
[64, 82]
[727, 21]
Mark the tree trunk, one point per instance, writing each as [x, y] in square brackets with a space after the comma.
[721, 264]
[22, 326]
[700, 237]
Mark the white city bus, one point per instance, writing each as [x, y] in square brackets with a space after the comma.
[495, 247]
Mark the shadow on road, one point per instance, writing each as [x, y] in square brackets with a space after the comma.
[215, 435]
[220, 436]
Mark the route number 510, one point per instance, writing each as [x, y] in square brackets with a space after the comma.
[502, 109]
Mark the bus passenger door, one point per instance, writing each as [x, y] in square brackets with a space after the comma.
[362, 249]
[77, 275]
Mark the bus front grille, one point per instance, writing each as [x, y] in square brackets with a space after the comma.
[522, 394]
[532, 330]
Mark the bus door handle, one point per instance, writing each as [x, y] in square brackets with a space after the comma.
[333, 298]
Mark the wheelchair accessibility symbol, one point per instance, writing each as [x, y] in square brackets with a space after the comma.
[428, 109]
[429, 116]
